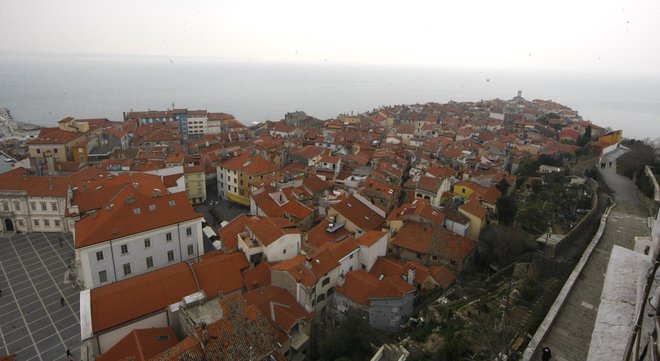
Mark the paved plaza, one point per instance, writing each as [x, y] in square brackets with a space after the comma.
[34, 323]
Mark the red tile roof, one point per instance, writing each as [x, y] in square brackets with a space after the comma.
[369, 238]
[54, 136]
[279, 307]
[121, 302]
[229, 233]
[258, 276]
[429, 184]
[434, 240]
[359, 214]
[221, 273]
[361, 287]
[267, 230]
[41, 186]
[141, 344]
[319, 236]
[133, 212]
[474, 208]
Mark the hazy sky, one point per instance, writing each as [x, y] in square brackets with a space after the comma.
[571, 35]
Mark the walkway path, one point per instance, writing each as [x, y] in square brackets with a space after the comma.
[570, 334]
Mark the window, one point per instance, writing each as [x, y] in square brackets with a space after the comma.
[150, 262]
[191, 250]
[325, 281]
[170, 256]
[127, 269]
[53, 206]
[43, 206]
[168, 236]
[46, 223]
[99, 256]
[57, 223]
[351, 256]
[17, 206]
[124, 248]
[38, 150]
[147, 243]
[452, 262]
[55, 150]
[21, 223]
[103, 276]
[284, 251]
[435, 258]
[5, 206]
[419, 255]
[36, 223]
[188, 231]
[33, 206]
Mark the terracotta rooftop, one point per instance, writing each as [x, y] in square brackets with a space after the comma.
[279, 307]
[474, 208]
[359, 214]
[267, 230]
[361, 287]
[43, 186]
[141, 344]
[120, 302]
[434, 240]
[229, 266]
[54, 136]
[256, 277]
[132, 212]
[369, 238]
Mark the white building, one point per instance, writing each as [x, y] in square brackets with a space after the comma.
[197, 122]
[263, 240]
[33, 203]
[135, 234]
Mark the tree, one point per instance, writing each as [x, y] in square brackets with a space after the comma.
[586, 137]
[506, 209]
[352, 339]
[502, 186]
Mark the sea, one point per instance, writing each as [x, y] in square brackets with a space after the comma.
[44, 89]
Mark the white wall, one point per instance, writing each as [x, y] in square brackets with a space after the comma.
[369, 255]
[286, 247]
[113, 260]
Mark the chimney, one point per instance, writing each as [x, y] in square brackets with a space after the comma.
[411, 275]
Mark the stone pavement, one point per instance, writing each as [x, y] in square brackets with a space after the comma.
[570, 334]
[34, 324]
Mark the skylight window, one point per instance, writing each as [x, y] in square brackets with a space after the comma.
[172, 202]
[137, 210]
[152, 207]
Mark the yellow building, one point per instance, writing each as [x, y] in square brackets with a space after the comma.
[465, 189]
[238, 173]
[195, 179]
[477, 216]
[56, 143]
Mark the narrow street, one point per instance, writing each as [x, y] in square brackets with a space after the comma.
[570, 335]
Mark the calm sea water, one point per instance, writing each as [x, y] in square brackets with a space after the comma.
[43, 90]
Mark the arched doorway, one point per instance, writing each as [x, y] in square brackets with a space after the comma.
[9, 225]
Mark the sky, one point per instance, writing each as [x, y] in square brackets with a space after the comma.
[602, 36]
